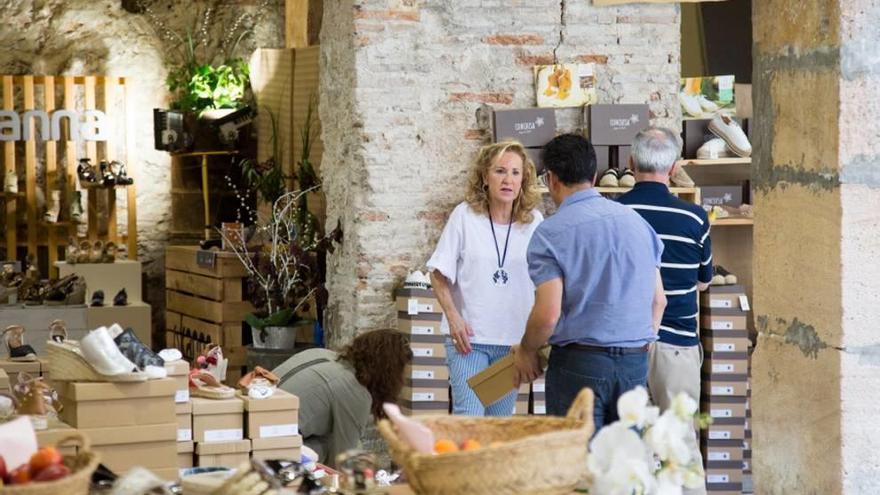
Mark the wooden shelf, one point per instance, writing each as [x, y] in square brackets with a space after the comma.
[736, 221]
[713, 163]
[63, 224]
[11, 195]
[621, 190]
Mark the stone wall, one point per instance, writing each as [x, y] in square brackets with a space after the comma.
[86, 37]
[401, 80]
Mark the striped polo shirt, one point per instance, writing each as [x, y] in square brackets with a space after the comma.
[687, 255]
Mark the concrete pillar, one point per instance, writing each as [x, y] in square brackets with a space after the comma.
[815, 369]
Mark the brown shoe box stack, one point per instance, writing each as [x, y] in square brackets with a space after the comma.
[426, 386]
[539, 397]
[747, 443]
[218, 432]
[272, 426]
[521, 407]
[724, 334]
[129, 424]
[4, 382]
[179, 372]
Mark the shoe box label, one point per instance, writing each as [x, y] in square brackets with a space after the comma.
[283, 430]
[224, 435]
[184, 434]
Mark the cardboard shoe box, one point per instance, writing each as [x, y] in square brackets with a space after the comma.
[425, 394]
[185, 452]
[184, 421]
[423, 408]
[533, 127]
[724, 297]
[217, 420]
[723, 472]
[227, 454]
[539, 396]
[421, 372]
[55, 431]
[423, 328]
[179, 372]
[496, 381]
[603, 158]
[428, 354]
[414, 302]
[4, 382]
[617, 125]
[731, 195]
[724, 407]
[723, 319]
[722, 450]
[535, 155]
[275, 416]
[99, 405]
[725, 340]
[724, 386]
[726, 429]
[277, 448]
[13, 368]
[124, 447]
[724, 363]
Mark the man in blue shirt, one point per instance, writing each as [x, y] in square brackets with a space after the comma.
[599, 299]
[686, 268]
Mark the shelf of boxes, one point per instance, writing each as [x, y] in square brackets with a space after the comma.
[733, 222]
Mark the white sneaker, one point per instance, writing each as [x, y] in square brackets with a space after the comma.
[706, 104]
[680, 178]
[170, 355]
[727, 129]
[714, 149]
[10, 183]
[690, 105]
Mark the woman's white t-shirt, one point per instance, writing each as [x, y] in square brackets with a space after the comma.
[466, 255]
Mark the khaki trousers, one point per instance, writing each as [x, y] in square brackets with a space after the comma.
[673, 369]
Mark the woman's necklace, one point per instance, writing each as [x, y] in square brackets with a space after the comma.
[500, 277]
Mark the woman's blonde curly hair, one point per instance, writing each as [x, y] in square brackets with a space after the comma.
[478, 197]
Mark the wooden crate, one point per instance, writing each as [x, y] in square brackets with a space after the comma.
[205, 305]
[60, 151]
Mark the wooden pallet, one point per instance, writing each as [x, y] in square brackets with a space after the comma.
[61, 154]
[204, 304]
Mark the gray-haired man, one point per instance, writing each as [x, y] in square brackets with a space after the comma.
[686, 267]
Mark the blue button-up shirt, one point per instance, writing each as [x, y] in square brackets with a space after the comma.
[606, 255]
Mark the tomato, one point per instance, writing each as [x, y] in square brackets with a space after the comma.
[53, 472]
[20, 475]
[45, 457]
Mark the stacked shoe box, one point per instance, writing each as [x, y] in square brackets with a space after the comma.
[533, 127]
[723, 318]
[612, 130]
[4, 382]
[539, 397]
[13, 368]
[272, 426]
[129, 424]
[426, 386]
[179, 372]
[748, 485]
[218, 432]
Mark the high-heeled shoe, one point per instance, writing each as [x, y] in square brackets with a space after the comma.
[86, 172]
[97, 298]
[58, 331]
[120, 175]
[136, 352]
[96, 254]
[56, 293]
[95, 358]
[121, 298]
[107, 177]
[15, 346]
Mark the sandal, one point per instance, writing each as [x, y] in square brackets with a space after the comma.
[57, 293]
[203, 383]
[213, 362]
[120, 175]
[36, 399]
[136, 352]
[16, 348]
[58, 331]
[259, 383]
[85, 248]
[71, 253]
[108, 254]
[107, 177]
[86, 172]
[96, 254]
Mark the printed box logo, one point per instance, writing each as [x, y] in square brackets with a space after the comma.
[621, 124]
[522, 127]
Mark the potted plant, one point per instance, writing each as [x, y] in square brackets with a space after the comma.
[284, 274]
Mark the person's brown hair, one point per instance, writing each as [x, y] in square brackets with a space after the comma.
[477, 196]
[379, 358]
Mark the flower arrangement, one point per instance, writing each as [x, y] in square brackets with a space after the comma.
[645, 452]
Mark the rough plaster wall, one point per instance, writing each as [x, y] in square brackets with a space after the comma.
[798, 299]
[399, 143]
[860, 194]
[85, 37]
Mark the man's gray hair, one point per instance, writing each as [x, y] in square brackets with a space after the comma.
[655, 150]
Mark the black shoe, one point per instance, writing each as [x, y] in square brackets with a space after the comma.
[139, 354]
[121, 298]
[98, 298]
[120, 175]
[86, 173]
[107, 177]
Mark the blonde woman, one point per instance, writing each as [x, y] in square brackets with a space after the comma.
[479, 270]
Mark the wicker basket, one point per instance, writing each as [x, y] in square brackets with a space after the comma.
[81, 465]
[536, 454]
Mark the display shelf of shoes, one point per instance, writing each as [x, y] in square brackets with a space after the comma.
[716, 162]
[61, 119]
[204, 304]
[692, 193]
[733, 222]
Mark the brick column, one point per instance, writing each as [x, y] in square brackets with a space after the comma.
[815, 371]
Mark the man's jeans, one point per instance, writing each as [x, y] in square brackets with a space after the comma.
[608, 372]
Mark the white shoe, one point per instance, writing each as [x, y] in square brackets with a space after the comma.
[102, 353]
[260, 388]
[727, 129]
[714, 149]
[10, 183]
[690, 105]
[54, 208]
[706, 104]
[170, 355]
[680, 178]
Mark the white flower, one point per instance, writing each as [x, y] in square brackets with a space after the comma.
[684, 406]
[615, 438]
[619, 462]
[694, 476]
[633, 409]
[667, 439]
[627, 476]
[666, 487]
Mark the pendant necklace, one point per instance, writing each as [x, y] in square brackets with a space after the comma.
[500, 277]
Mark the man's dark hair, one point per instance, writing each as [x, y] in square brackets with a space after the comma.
[571, 158]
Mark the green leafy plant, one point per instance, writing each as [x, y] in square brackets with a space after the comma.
[197, 88]
[266, 178]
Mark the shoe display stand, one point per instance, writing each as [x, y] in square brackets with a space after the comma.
[204, 304]
[56, 145]
[111, 278]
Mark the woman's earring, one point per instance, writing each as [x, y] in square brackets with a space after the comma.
[485, 187]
